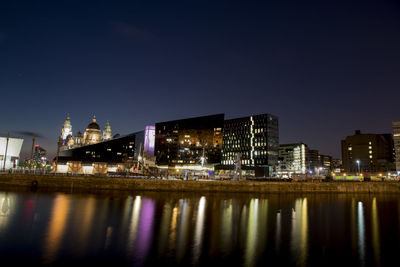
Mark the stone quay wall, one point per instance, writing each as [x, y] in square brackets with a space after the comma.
[91, 183]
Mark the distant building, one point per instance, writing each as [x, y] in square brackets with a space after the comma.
[189, 145]
[337, 165]
[10, 149]
[313, 160]
[292, 159]
[92, 135]
[256, 139]
[39, 155]
[396, 140]
[368, 153]
[326, 161]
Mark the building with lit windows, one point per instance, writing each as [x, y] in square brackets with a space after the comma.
[368, 153]
[256, 139]
[39, 155]
[189, 146]
[292, 159]
[396, 141]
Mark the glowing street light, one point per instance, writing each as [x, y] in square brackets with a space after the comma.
[358, 163]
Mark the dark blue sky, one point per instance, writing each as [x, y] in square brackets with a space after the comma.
[325, 68]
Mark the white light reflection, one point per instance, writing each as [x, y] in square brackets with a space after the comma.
[199, 229]
[278, 231]
[134, 224]
[361, 233]
[4, 213]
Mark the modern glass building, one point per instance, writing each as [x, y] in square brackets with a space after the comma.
[189, 144]
[292, 159]
[256, 139]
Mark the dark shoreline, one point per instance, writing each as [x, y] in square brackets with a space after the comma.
[79, 184]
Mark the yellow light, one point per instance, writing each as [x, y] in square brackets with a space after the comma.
[344, 174]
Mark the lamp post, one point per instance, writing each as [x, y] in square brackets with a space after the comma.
[358, 164]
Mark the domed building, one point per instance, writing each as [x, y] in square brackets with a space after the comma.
[92, 135]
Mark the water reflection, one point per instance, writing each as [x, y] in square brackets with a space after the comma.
[185, 229]
[299, 236]
[4, 211]
[56, 228]
[133, 224]
[145, 231]
[278, 231]
[375, 232]
[256, 231]
[361, 233]
[199, 229]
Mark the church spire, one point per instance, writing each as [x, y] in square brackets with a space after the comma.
[107, 131]
[67, 128]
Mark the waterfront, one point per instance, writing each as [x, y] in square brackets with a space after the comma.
[149, 228]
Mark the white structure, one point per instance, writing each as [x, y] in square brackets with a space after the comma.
[292, 159]
[396, 141]
[12, 154]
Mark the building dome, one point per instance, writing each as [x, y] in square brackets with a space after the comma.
[93, 125]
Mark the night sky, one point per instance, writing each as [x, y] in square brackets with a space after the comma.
[325, 68]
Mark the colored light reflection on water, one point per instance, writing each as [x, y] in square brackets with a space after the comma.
[189, 229]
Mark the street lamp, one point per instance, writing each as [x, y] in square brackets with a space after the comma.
[358, 163]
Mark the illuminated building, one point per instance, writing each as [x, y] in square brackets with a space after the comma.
[292, 159]
[39, 155]
[368, 153]
[396, 141]
[190, 144]
[92, 135]
[256, 138]
[115, 155]
[144, 150]
[9, 152]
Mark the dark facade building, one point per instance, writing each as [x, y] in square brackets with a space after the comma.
[108, 156]
[368, 153]
[313, 160]
[39, 155]
[192, 143]
[256, 138]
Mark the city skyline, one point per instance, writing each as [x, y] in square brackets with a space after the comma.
[325, 69]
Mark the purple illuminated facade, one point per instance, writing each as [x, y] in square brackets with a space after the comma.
[149, 138]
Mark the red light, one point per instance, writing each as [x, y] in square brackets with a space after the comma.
[36, 145]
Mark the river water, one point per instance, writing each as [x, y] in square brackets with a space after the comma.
[164, 229]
